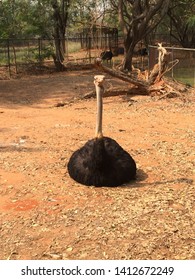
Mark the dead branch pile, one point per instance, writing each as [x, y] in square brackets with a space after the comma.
[148, 83]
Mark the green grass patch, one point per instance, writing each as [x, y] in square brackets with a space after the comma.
[184, 75]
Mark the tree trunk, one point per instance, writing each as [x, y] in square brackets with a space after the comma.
[58, 57]
[60, 17]
[129, 49]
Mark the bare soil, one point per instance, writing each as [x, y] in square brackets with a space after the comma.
[44, 214]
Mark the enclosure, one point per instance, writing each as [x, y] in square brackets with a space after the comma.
[183, 66]
[18, 56]
[83, 47]
[46, 215]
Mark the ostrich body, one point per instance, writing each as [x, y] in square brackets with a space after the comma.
[101, 161]
[106, 55]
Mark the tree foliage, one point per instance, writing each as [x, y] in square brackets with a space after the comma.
[13, 18]
[182, 22]
[134, 18]
[87, 13]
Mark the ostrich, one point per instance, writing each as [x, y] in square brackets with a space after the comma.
[106, 55]
[101, 161]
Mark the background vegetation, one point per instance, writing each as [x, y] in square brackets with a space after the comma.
[136, 21]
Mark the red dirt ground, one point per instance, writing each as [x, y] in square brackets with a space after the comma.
[46, 215]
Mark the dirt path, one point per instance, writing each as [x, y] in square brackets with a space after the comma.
[46, 215]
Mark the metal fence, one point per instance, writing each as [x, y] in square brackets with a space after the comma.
[17, 55]
[184, 70]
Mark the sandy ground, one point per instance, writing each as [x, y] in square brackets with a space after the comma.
[44, 214]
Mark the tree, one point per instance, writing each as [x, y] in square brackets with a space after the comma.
[60, 16]
[137, 19]
[182, 22]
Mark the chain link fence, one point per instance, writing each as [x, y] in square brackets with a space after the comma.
[18, 56]
[184, 70]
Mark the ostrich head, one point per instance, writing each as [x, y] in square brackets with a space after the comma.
[98, 81]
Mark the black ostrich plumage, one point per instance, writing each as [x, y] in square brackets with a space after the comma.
[101, 162]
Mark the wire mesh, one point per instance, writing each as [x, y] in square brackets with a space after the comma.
[184, 70]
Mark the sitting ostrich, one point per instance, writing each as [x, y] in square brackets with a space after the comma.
[101, 161]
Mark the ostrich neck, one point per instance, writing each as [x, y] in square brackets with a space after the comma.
[99, 92]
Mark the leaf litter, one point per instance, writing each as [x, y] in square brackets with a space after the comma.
[46, 215]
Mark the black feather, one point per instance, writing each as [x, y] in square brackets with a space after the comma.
[101, 162]
[106, 55]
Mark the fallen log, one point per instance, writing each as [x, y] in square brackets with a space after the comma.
[143, 85]
[113, 91]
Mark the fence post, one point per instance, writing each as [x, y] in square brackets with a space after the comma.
[39, 46]
[8, 57]
[89, 47]
[172, 57]
[15, 59]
